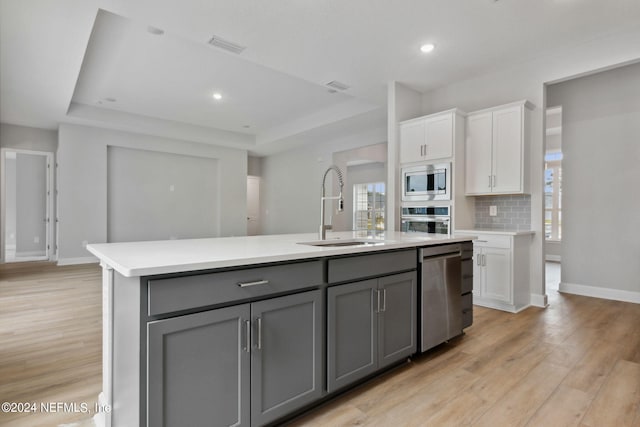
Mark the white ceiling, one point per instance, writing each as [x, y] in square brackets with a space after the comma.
[61, 59]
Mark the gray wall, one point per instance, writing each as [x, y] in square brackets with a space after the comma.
[31, 207]
[26, 138]
[83, 177]
[291, 181]
[158, 196]
[600, 176]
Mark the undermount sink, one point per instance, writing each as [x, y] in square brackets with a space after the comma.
[337, 243]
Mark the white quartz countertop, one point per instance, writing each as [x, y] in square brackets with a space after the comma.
[490, 231]
[173, 256]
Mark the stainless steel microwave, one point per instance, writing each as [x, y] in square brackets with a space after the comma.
[426, 182]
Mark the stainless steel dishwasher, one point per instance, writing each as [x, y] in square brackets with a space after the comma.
[440, 299]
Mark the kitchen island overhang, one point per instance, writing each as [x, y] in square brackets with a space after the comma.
[130, 268]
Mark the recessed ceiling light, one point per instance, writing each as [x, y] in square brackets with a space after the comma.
[428, 47]
[217, 96]
[246, 126]
[155, 31]
[110, 99]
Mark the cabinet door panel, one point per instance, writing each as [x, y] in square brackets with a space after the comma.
[497, 274]
[439, 137]
[478, 271]
[507, 150]
[351, 333]
[397, 318]
[478, 154]
[286, 369]
[198, 369]
[412, 139]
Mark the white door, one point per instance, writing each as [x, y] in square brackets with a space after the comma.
[478, 154]
[26, 205]
[507, 150]
[412, 141]
[439, 137]
[253, 205]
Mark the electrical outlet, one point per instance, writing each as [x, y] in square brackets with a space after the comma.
[493, 210]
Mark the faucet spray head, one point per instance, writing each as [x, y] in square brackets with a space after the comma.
[340, 203]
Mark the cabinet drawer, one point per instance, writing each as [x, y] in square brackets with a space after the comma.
[189, 292]
[493, 241]
[358, 267]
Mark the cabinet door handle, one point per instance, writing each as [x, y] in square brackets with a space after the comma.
[489, 181]
[484, 260]
[426, 149]
[384, 300]
[377, 308]
[478, 260]
[247, 338]
[493, 182]
[256, 283]
[259, 333]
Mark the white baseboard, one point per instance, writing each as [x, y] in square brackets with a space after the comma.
[81, 260]
[538, 300]
[597, 292]
[554, 258]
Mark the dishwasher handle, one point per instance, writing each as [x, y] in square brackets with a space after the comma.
[439, 251]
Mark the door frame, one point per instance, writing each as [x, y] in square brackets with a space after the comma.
[50, 253]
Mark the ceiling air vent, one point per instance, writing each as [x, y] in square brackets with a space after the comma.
[337, 85]
[226, 45]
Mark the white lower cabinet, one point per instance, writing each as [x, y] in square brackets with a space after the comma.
[501, 271]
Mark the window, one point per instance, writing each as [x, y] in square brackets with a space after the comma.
[553, 196]
[368, 206]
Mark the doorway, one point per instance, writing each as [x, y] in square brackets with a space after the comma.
[26, 232]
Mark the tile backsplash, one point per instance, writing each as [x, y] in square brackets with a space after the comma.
[514, 212]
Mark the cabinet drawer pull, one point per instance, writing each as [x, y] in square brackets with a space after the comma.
[256, 283]
[377, 309]
[467, 310]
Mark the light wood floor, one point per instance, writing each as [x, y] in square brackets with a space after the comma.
[577, 363]
[50, 339]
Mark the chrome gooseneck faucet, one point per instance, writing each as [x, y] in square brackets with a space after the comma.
[323, 228]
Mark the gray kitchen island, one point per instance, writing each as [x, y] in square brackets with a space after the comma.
[249, 331]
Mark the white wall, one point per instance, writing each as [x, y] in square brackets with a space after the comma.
[291, 182]
[600, 176]
[82, 183]
[527, 81]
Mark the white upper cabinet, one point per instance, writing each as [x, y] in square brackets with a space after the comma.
[427, 138]
[496, 150]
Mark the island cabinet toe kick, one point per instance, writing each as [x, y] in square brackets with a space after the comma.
[254, 344]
